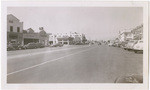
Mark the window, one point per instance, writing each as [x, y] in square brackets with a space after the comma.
[10, 21]
[11, 28]
[18, 29]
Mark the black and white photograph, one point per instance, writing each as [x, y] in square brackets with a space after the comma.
[75, 45]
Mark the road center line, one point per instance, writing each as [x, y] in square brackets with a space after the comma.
[36, 53]
[48, 61]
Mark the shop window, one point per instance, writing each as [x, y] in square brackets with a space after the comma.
[11, 28]
[18, 29]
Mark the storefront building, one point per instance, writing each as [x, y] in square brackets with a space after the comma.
[16, 34]
[14, 30]
[30, 36]
[64, 38]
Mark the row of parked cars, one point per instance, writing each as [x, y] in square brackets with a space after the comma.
[135, 45]
[132, 45]
[57, 45]
[16, 46]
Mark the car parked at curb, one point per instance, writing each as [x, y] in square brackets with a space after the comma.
[30, 46]
[99, 43]
[57, 45]
[134, 78]
[40, 45]
[13, 46]
[130, 44]
[10, 47]
[111, 44]
[116, 44]
[138, 47]
[123, 44]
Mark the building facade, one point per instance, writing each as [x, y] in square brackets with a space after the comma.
[134, 34]
[59, 38]
[125, 36]
[14, 29]
[30, 36]
[66, 38]
[16, 34]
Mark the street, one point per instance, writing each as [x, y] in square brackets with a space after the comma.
[72, 64]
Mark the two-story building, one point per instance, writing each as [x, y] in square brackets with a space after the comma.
[66, 38]
[59, 38]
[14, 29]
[125, 36]
[16, 34]
[134, 34]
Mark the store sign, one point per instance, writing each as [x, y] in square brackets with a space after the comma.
[36, 36]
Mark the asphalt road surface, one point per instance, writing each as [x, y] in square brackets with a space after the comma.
[72, 64]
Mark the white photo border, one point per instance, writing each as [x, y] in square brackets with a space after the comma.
[68, 86]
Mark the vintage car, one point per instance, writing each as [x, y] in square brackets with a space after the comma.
[138, 47]
[134, 78]
[10, 47]
[30, 46]
[123, 44]
[40, 45]
[13, 46]
[130, 44]
[57, 45]
[99, 43]
[110, 43]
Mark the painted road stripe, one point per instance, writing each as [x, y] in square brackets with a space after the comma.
[48, 61]
[36, 53]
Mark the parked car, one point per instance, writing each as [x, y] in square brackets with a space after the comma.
[57, 45]
[138, 46]
[99, 43]
[116, 44]
[123, 44]
[21, 47]
[10, 47]
[130, 45]
[15, 46]
[30, 46]
[134, 78]
[111, 44]
[87, 42]
[40, 45]
[78, 43]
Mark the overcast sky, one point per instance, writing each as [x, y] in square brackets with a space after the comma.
[101, 23]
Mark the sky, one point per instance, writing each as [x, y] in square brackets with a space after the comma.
[97, 23]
